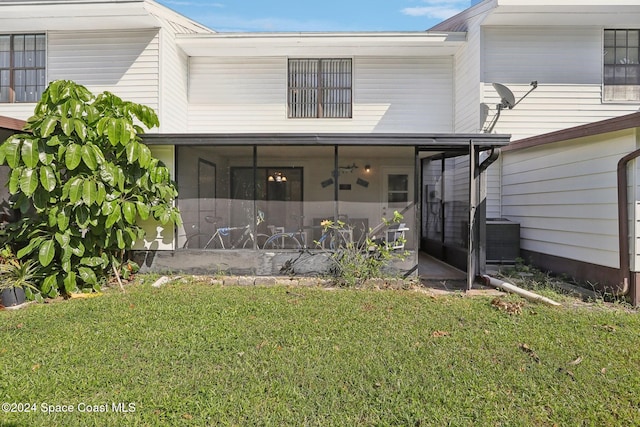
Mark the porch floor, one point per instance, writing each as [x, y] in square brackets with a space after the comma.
[441, 277]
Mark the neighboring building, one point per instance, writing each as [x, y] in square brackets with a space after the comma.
[359, 124]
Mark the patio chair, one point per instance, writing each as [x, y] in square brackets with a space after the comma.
[395, 236]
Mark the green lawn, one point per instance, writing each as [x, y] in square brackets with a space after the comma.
[197, 354]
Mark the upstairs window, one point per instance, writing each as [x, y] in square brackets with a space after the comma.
[622, 65]
[22, 67]
[319, 88]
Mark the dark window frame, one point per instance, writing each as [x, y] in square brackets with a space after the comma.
[320, 88]
[23, 67]
[621, 62]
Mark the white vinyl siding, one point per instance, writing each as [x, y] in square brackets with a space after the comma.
[389, 95]
[174, 73]
[123, 62]
[564, 196]
[566, 63]
[467, 72]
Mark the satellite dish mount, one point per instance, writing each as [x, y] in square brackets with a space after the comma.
[507, 101]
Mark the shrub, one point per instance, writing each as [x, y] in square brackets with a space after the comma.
[83, 178]
[355, 262]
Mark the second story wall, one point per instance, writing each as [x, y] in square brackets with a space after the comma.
[567, 62]
[390, 94]
[124, 62]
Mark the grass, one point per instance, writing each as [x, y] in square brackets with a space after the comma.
[196, 354]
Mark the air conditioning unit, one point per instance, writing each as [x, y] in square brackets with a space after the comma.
[503, 241]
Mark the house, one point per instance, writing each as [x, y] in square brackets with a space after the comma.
[266, 132]
[571, 191]
[557, 178]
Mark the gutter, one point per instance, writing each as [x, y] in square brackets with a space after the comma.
[623, 231]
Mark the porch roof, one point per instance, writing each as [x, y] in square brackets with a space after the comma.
[429, 141]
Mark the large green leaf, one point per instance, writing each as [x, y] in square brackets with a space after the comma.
[113, 131]
[70, 282]
[75, 189]
[120, 239]
[89, 156]
[143, 210]
[12, 151]
[89, 192]
[14, 180]
[67, 124]
[82, 215]
[133, 151]
[63, 218]
[40, 199]
[77, 248]
[102, 193]
[87, 275]
[73, 156]
[47, 178]
[63, 239]
[48, 125]
[81, 129]
[144, 157]
[94, 261]
[47, 252]
[113, 217]
[49, 284]
[33, 244]
[75, 108]
[29, 152]
[129, 212]
[28, 181]
[45, 153]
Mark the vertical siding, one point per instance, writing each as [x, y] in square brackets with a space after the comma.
[123, 62]
[564, 196]
[174, 73]
[390, 95]
[566, 62]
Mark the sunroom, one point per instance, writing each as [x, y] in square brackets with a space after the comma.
[256, 203]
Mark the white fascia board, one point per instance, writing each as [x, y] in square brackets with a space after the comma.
[569, 13]
[71, 15]
[322, 44]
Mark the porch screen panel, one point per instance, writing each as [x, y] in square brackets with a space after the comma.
[206, 200]
[373, 183]
[297, 195]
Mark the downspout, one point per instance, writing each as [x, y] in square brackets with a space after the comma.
[478, 233]
[623, 229]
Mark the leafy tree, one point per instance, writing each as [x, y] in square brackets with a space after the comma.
[82, 179]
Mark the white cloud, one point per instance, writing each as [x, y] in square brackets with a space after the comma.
[437, 9]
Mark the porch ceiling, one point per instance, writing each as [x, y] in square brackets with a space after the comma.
[430, 142]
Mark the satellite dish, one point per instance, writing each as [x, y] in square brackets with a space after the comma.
[507, 99]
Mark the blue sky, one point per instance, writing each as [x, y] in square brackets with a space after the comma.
[323, 15]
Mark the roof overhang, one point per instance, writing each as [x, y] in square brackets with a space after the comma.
[422, 141]
[567, 13]
[570, 13]
[629, 121]
[9, 123]
[40, 15]
[322, 44]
